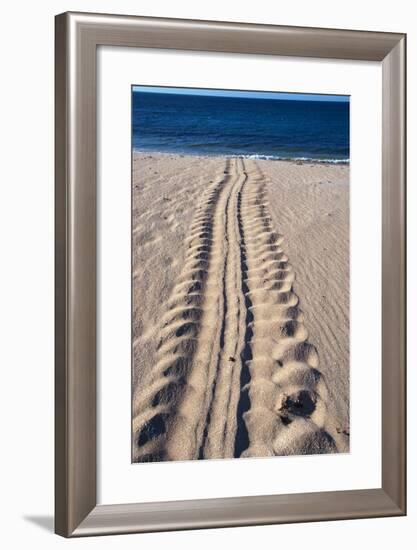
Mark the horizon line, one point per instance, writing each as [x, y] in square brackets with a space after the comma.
[252, 94]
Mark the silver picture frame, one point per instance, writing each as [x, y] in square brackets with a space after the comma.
[77, 37]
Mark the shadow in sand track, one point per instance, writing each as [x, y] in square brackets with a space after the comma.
[242, 436]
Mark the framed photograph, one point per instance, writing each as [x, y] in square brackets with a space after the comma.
[230, 274]
[223, 365]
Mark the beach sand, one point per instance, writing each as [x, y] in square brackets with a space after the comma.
[240, 307]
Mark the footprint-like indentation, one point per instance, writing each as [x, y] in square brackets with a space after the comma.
[156, 404]
[303, 437]
[286, 389]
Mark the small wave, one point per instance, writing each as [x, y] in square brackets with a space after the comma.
[252, 156]
[301, 159]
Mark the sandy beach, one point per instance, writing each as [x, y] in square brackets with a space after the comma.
[240, 307]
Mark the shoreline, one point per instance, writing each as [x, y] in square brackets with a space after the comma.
[296, 160]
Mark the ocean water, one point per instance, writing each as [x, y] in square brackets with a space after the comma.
[251, 127]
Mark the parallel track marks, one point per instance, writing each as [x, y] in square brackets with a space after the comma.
[235, 374]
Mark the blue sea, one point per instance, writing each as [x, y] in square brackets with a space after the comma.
[244, 126]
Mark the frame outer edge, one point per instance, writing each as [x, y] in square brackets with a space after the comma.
[226, 36]
[237, 512]
[61, 447]
[75, 277]
[394, 274]
[82, 274]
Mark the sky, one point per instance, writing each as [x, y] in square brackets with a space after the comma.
[236, 93]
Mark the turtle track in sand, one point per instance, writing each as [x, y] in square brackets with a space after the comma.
[235, 375]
